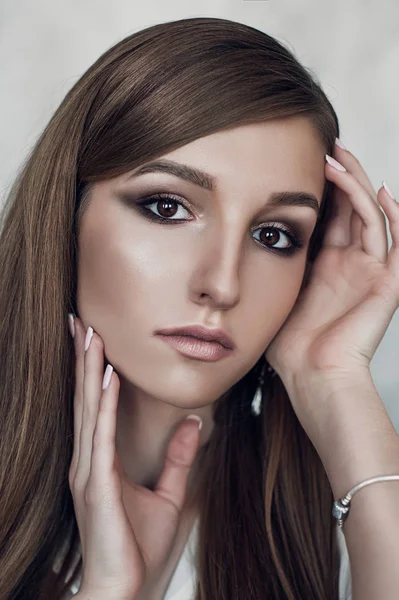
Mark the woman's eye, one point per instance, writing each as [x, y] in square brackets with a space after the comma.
[270, 234]
[166, 207]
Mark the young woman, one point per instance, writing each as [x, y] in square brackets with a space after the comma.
[192, 177]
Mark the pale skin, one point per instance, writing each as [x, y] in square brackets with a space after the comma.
[135, 276]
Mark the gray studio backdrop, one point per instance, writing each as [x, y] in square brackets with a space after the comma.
[352, 46]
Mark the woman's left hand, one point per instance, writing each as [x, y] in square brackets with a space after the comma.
[342, 314]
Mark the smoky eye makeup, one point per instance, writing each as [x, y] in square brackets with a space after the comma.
[289, 231]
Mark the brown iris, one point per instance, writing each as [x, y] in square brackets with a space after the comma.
[267, 233]
[169, 207]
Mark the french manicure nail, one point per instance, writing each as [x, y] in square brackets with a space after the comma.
[71, 324]
[334, 163]
[107, 376]
[340, 144]
[89, 335]
[388, 190]
[197, 418]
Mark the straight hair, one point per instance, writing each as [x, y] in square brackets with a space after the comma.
[266, 528]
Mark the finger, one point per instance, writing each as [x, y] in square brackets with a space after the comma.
[339, 229]
[373, 234]
[104, 484]
[346, 228]
[356, 226]
[391, 209]
[352, 164]
[78, 395]
[178, 462]
[103, 454]
[93, 376]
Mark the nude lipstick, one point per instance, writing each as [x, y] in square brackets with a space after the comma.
[198, 342]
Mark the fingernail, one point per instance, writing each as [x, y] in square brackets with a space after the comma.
[334, 163]
[340, 144]
[71, 323]
[107, 376]
[197, 418]
[388, 190]
[89, 335]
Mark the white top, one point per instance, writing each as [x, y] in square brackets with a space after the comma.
[183, 582]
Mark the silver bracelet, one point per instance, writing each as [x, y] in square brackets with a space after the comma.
[341, 507]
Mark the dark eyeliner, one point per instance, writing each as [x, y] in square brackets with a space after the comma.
[294, 238]
[153, 217]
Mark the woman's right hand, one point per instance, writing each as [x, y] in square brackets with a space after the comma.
[126, 531]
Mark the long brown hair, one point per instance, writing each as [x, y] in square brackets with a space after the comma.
[266, 525]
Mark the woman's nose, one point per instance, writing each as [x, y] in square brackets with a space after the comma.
[217, 273]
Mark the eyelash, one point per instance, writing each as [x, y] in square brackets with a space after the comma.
[294, 238]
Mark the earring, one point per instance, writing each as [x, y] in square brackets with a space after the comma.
[256, 407]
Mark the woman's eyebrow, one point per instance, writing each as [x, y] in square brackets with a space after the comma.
[205, 180]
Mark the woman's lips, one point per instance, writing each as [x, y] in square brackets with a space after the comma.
[196, 348]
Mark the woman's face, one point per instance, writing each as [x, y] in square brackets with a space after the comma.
[216, 262]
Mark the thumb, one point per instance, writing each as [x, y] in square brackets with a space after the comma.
[179, 458]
